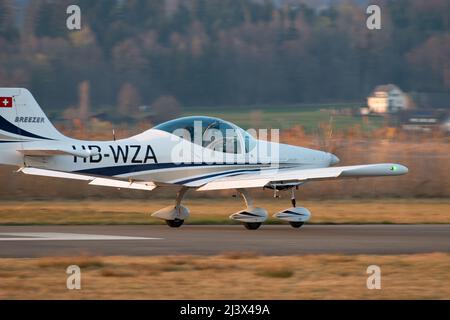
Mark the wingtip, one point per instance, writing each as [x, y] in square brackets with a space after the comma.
[399, 169]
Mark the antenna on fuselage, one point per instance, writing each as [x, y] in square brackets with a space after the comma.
[114, 134]
[325, 136]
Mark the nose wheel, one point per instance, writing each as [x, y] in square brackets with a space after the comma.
[175, 223]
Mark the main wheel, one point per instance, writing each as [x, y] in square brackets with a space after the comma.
[296, 224]
[175, 223]
[252, 225]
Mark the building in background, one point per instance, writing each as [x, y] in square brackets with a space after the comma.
[446, 125]
[387, 99]
[426, 120]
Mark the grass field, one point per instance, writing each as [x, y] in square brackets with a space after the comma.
[228, 276]
[216, 211]
[285, 117]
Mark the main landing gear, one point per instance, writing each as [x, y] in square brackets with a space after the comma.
[251, 217]
[174, 215]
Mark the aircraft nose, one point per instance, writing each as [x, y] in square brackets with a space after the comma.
[333, 159]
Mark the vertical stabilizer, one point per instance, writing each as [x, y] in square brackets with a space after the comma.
[21, 118]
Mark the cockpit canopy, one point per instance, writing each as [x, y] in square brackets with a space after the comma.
[209, 132]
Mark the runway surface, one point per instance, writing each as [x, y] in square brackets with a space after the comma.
[37, 241]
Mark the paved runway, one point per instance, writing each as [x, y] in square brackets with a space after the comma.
[36, 241]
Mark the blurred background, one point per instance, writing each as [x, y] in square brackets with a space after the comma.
[311, 68]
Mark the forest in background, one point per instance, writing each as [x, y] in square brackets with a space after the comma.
[220, 52]
[248, 55]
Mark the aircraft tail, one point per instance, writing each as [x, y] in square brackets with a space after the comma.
[21, 118]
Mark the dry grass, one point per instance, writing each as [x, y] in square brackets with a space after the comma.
[419, 276]
[209, 211]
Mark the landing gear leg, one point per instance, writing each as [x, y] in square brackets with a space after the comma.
[293, 197]
[295, 224]
[248, 201]
[176, 223]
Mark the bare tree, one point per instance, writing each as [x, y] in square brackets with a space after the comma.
[165, 108]
[84, 100]
[128, 99]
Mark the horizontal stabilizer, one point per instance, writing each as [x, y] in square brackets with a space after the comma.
[57, 152]
[93, 180]
[55, 174]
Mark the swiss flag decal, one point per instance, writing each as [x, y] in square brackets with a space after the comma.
[6, 102]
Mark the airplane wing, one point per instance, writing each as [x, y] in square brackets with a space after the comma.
[106, 182]
[273, 177]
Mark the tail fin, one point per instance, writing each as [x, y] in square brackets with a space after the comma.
[21, 118]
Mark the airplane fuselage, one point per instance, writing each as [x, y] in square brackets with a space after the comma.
[149, 157]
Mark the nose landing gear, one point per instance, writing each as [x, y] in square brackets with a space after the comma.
[176, 223]
[296, 216]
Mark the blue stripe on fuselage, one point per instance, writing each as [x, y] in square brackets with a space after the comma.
[119, 170]
[223, 173]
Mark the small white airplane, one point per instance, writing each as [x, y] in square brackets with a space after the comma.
[152, 160]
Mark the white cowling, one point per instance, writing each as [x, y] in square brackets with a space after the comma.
[250, 215]
[293, 214]
[171, 213]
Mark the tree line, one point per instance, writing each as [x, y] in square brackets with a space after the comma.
[221, 52]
